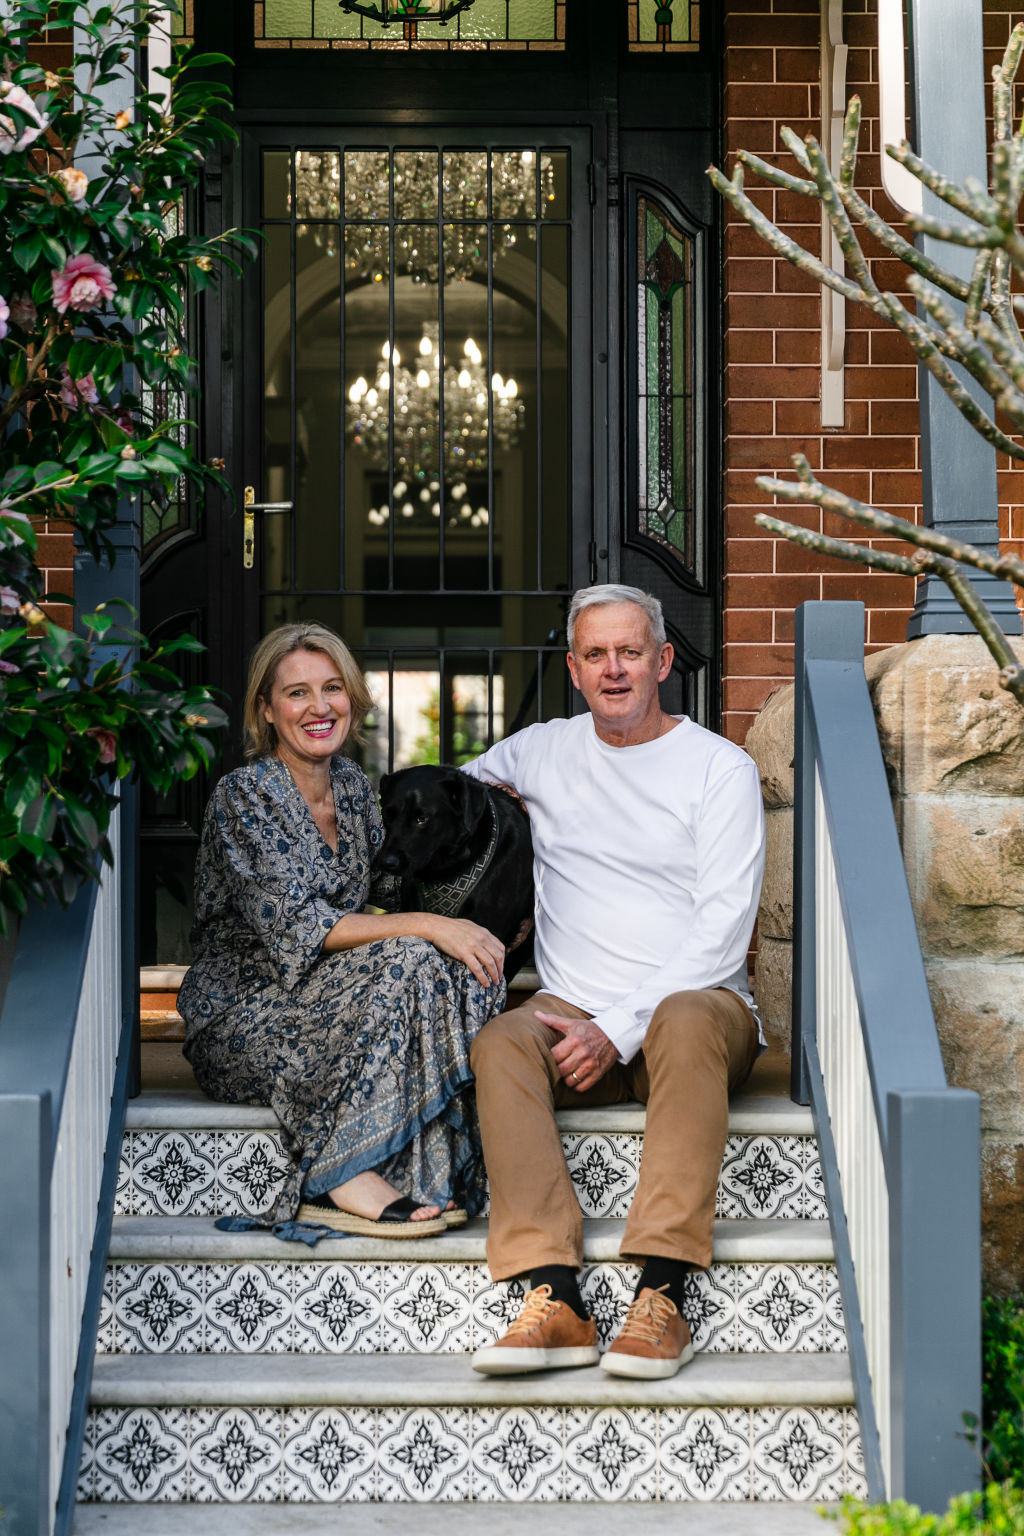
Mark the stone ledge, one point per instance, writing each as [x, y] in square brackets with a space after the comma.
[447, 1381]
[738, 1240]
[187, 1109]
[636, 1518]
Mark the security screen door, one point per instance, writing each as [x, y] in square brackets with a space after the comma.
[416, 414]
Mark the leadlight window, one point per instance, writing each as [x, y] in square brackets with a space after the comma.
[487, 25]
[183, 26]
[664, 26]
[166, 516]
[664, 265]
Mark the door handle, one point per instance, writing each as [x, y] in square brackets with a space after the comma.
[250, 508]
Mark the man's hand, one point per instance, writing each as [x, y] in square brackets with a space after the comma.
[584, 1054]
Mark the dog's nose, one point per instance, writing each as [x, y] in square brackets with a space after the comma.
[391, 863]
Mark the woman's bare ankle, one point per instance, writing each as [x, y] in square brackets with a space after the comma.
[368, 1195]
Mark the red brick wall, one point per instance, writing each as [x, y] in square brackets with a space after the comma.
[773, 358]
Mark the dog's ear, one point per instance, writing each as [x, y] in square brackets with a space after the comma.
[462, 795]
[385, 780]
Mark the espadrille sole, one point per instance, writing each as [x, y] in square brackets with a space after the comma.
[362, 1226]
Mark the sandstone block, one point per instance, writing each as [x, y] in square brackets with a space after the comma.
[770, 743]
[1002, 1215]
[773, 991]
[965, 866]
[979, 1014]
[775, 914]
[945, 724]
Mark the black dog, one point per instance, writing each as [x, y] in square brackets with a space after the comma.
[461, 848]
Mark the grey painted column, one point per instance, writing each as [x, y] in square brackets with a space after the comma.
[931, 1162]
[26, 1136]
[958, 467]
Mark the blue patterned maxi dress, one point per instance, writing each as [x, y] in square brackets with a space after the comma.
[363, 1054]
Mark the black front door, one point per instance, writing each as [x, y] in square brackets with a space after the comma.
[466, 376]
[417, 415]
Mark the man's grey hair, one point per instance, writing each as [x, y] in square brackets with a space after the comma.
[613, 592]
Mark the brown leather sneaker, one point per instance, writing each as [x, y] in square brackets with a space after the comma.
[547, 1335]
[653, 1342]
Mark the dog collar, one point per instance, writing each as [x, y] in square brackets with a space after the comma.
[447, 898]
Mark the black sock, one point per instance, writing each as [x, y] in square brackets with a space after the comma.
[564, 1283]
[671, 1272]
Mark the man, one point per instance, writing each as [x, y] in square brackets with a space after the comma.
[648, 836]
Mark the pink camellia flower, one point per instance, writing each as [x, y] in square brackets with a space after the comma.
[74, 182]
[12, 136]
[5, 313]
[76, 392]
[10, 602]
[83, 284]
[23, 311]
[107, 742]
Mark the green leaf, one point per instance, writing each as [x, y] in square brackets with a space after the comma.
[48, 472]
[161, 464]
[77, 441]
[100, 622]
[132, 469]
[26, 250]
[54, 252]
[82, 820]
[180, 643]
[83, 357]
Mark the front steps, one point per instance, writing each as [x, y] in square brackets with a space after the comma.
[271, 1378]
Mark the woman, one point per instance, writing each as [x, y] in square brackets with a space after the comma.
[355, 1028]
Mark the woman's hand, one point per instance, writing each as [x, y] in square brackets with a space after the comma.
[474, 946]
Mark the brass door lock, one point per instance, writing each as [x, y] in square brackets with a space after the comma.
[250, 508]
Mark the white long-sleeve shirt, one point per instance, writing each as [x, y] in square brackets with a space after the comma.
[647, 864]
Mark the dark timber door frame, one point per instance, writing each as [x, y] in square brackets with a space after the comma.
[648, 123]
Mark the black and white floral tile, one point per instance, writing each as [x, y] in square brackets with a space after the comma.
[330, 1307]
[516, 1454]
[232, 1173]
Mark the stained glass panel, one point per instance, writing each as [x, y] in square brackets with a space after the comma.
[665, 341]
[664, 26]
[522, 25]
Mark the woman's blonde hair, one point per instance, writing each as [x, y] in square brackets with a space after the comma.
[260, 736]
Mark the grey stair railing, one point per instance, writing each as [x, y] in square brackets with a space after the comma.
[68, 1062]
[66, 1049]
[899, 1147]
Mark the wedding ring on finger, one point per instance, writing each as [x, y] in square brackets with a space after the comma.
[575, 1077]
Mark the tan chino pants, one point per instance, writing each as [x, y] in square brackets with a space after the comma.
[698, 1047]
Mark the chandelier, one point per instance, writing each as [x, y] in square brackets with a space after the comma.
[368, 176]
[472, 404]
[388, 11]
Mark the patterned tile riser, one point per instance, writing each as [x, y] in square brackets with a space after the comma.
[231, 1173]
[329, 1306]
[397, 1455]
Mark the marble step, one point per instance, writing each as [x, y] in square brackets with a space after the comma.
[180, 1286]
[394, 1429]
[185, 1155]
[190, 1109]
[640, 1518]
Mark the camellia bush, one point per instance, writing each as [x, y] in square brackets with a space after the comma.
[95, 278]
